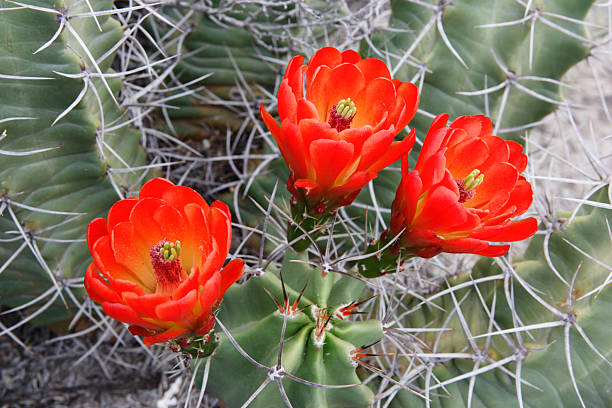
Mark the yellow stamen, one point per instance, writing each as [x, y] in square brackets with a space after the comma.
[171, 250]
[473, 180]
[346, 108]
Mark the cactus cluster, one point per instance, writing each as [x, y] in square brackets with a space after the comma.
[89, 114]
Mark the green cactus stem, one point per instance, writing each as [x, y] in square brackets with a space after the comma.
[321, 342]
[566, 271]
[53, 194]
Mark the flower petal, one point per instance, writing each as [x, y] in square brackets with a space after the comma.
[172, 224]
[294, 148]
[517, 158]
[498, 152]
[441, 211]
[373, 68]
[312, 130]
[119, 212]
[357, 137]
[145, 227]
[177, 310]
[473, 125]
[327, 56]
[466, 156]
[97, 288]
[221, 225]
[272, 125]
[295, 76]
[378, 101]
[329, 86]
[432, 143]
[351, 56]
[155, 188]
[394, 153]
[165, 336]
[405, 203]
[306, 110]
[493, 250]
[95, 230]
[230, 274]
[329, 159]
[500, 178]
[210, 295]
[375, 147]
[125, 314]
[287, 104]
[353, 185]
[131, 255]
[513, 231]
[145, 304]
[433, 170]
[316, 91]
[410, 94]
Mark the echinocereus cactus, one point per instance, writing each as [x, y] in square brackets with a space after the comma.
[464, 189]
[513, 331]
[297, 326]
[158, 261]
[337, 137]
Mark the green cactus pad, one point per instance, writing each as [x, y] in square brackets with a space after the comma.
[229, 57]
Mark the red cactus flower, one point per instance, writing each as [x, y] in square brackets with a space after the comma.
[463, 191]
[337, 137]
[158, 261]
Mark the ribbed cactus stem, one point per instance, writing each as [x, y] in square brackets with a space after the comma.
[317, 345]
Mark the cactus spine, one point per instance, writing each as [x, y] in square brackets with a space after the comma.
[65, 160]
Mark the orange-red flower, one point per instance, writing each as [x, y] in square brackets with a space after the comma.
[158, 261]
[338, 136]
[463, 191]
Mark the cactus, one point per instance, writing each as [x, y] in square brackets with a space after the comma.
[301, 308]
[550, 335]
[64, 159]
[229, 56]
[518, 331]
[503, 58]
[223, 57]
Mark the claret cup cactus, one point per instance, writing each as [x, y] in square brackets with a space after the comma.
[339, 135]
[293, 326]
[158, 262]
[390, 240]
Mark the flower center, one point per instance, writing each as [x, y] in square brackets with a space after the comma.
[467, 186]
[166, 264]
[342, 114]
